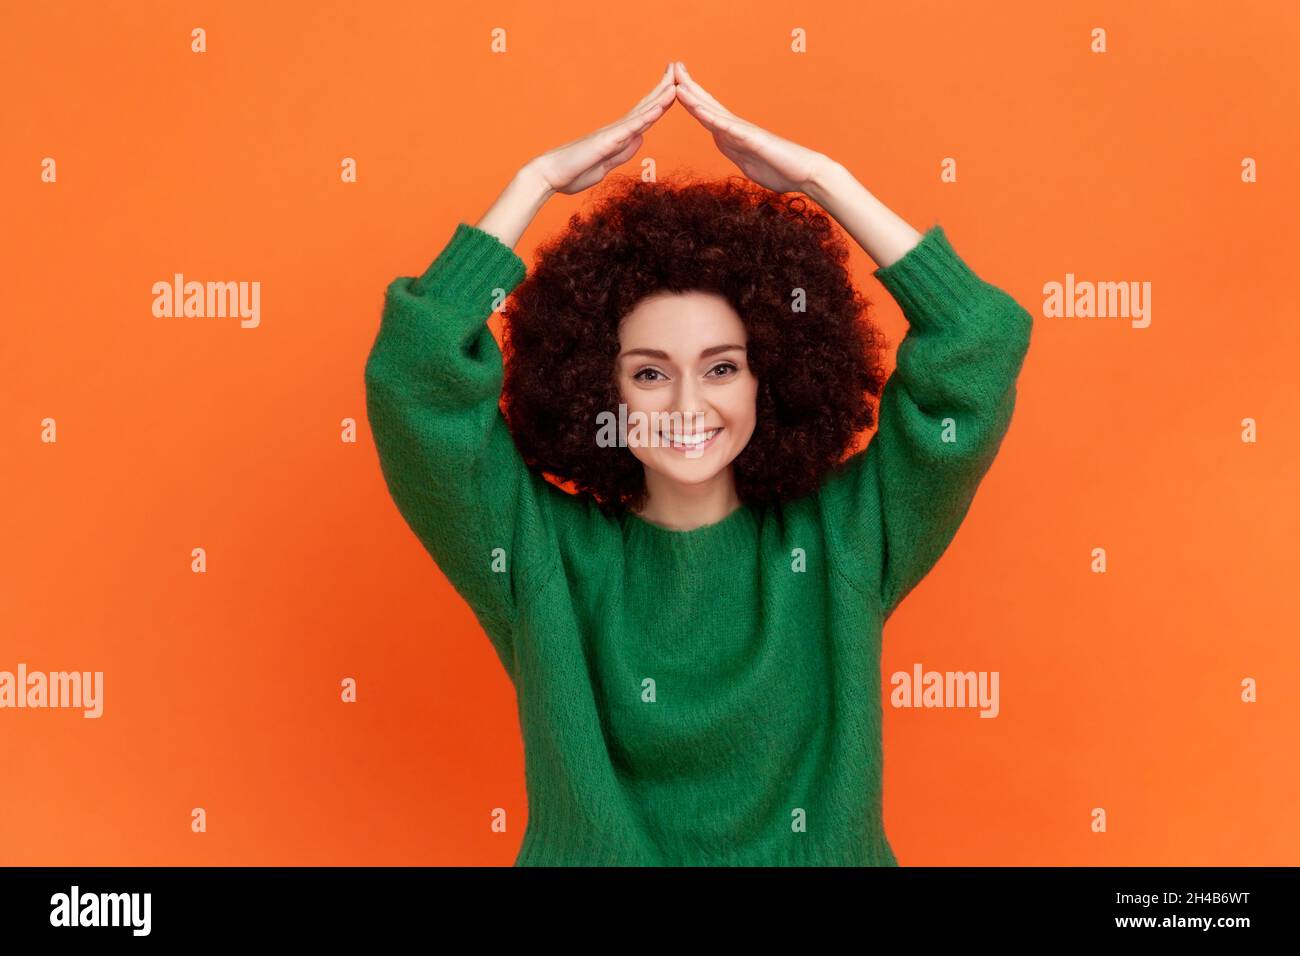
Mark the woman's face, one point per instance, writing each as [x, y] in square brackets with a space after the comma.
[685, 353]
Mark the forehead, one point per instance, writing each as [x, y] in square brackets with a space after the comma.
[682, 319]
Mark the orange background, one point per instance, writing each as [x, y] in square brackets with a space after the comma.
[221, 689]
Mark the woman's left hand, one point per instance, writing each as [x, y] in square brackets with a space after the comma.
[764, 157]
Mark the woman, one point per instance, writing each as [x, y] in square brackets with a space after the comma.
[694, 635]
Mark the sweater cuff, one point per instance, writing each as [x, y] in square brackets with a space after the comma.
[472, 264]
[931, 281]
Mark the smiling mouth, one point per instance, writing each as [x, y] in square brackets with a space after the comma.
[697, 442]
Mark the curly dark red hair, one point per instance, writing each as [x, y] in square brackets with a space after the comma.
[755, 247]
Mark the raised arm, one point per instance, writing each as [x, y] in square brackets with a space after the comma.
[897, 505]
[433, 388]
[433, 383]
[893, 508]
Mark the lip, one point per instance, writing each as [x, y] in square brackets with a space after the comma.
[683, 449]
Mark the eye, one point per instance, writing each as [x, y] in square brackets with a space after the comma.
[651, 371]
[723, 365]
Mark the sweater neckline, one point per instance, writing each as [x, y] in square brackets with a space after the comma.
[736, 527]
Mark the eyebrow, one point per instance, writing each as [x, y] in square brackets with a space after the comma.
[656, 353]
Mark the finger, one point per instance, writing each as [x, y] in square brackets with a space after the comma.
[709, 115]
[623, 155]
[690, 100]
[621, 131]
[688, 82]
[618, 156]
[664, 82]
[723, 124]
[663, 101]
[650, 114]
[692, 104]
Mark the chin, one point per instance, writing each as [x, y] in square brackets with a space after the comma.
[689, 476]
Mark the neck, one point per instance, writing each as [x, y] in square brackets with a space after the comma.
[680, 507]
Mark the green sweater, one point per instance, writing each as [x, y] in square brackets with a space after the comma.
[703, 697]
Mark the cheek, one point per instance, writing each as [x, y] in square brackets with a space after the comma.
[643, 399]
[741, 405]
[628, 394]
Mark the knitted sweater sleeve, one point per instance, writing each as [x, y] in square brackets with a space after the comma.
[894, 508]
[433, 385]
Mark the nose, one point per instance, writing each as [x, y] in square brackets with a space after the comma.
[691, 404]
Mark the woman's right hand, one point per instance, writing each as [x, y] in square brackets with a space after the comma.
[574, 166]
[582, 163]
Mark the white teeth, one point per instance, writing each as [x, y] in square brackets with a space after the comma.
[692, 439]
